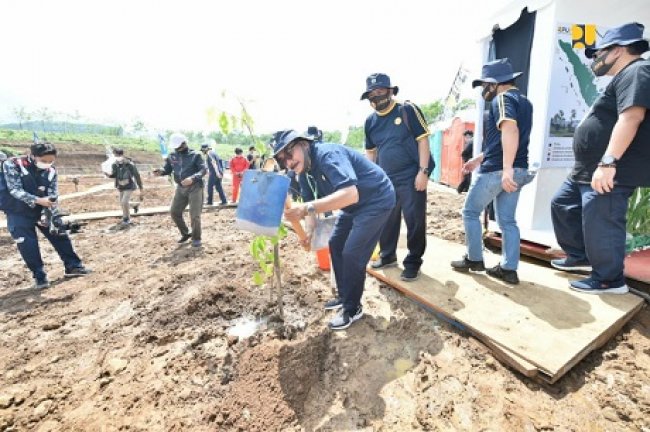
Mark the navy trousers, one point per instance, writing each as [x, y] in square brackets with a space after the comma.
[214, 182]
[590, 226]
[351, 245]
[413, 204]
[23, 231]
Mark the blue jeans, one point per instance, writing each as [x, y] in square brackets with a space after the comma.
[591, 227]
[485, 188]
[352, 242]
[23, 231]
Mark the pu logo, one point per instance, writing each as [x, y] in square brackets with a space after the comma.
[583, 36]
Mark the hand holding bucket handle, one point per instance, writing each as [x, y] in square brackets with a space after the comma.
[297, 227]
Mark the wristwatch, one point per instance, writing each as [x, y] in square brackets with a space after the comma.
[311, 209]
[424, 170]
[608, 161]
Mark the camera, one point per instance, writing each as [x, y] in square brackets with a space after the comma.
[52, 219]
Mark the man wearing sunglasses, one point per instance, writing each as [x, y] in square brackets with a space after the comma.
[333, 177]
[612, 158]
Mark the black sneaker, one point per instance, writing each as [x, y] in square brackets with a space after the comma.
[508, 276]
[77, 271]
[384, 262]
[334, 304]
[466, 265]
[410, 274]
[344, 319]
[185, 237]
[40, 284]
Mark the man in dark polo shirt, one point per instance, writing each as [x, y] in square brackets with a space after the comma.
[333, 177]
[612, 158]
[397, 139]
[503, 170]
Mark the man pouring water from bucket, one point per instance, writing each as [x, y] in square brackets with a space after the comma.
[333, 177]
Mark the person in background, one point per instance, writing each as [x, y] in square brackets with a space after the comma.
[397, 139]
[215, 172]
[188, 170]
[253, 158]
[126, 177]
[238, 164]
[333, 177]
[612, 158]
[316, 133]
[502, 170]
[29, 185]
[466, 154]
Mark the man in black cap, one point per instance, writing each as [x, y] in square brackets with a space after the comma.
[397, 139]
[126, 177]
[27, 187]
[612, 158]
[333, 177]
[215, 171]
[503, 170]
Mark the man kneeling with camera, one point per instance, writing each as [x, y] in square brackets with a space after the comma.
[27, 186]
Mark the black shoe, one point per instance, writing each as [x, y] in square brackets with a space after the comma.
[344, 319]
[508, 276]
[40, 284]
[465, 265]
[334, 304]
[76, 272]
[185, 237]
[384, 262]
[410, 274]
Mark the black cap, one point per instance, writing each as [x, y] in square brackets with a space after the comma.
[43, 149]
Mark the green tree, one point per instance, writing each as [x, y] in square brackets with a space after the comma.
[464, 104]
[22, 115]
[356, 137]
[332, 136]
[433, 111]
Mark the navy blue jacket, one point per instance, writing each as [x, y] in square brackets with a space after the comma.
[184, 165]
[23, 183]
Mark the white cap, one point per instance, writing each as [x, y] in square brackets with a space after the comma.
[176, 140]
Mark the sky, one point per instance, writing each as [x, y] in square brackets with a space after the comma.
[293, 63]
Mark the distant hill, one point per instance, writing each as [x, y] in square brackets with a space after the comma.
[65, 127]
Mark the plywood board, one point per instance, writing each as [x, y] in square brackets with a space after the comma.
[540, 321]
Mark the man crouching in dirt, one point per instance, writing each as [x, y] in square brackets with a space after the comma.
[188, 169]
[333, 177]
[28, 184]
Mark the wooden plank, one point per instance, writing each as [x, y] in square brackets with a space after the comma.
[90, 216]
[540, 320]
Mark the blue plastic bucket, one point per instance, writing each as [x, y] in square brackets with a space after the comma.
[261, 202]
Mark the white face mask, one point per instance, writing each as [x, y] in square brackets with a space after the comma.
[43, 165]
[119, 158]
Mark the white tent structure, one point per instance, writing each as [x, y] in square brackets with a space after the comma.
[538, 36]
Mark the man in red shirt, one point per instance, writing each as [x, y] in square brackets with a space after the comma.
[238, 165]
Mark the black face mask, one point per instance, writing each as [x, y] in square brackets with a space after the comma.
[182, 149]
[489, 92]
[381, 102]
[599, 67]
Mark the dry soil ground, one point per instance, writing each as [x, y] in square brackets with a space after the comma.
[154, 340]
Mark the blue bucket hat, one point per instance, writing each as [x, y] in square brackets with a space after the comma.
[626, 34]
[496, 72]
[378, 80]
[283, 138]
